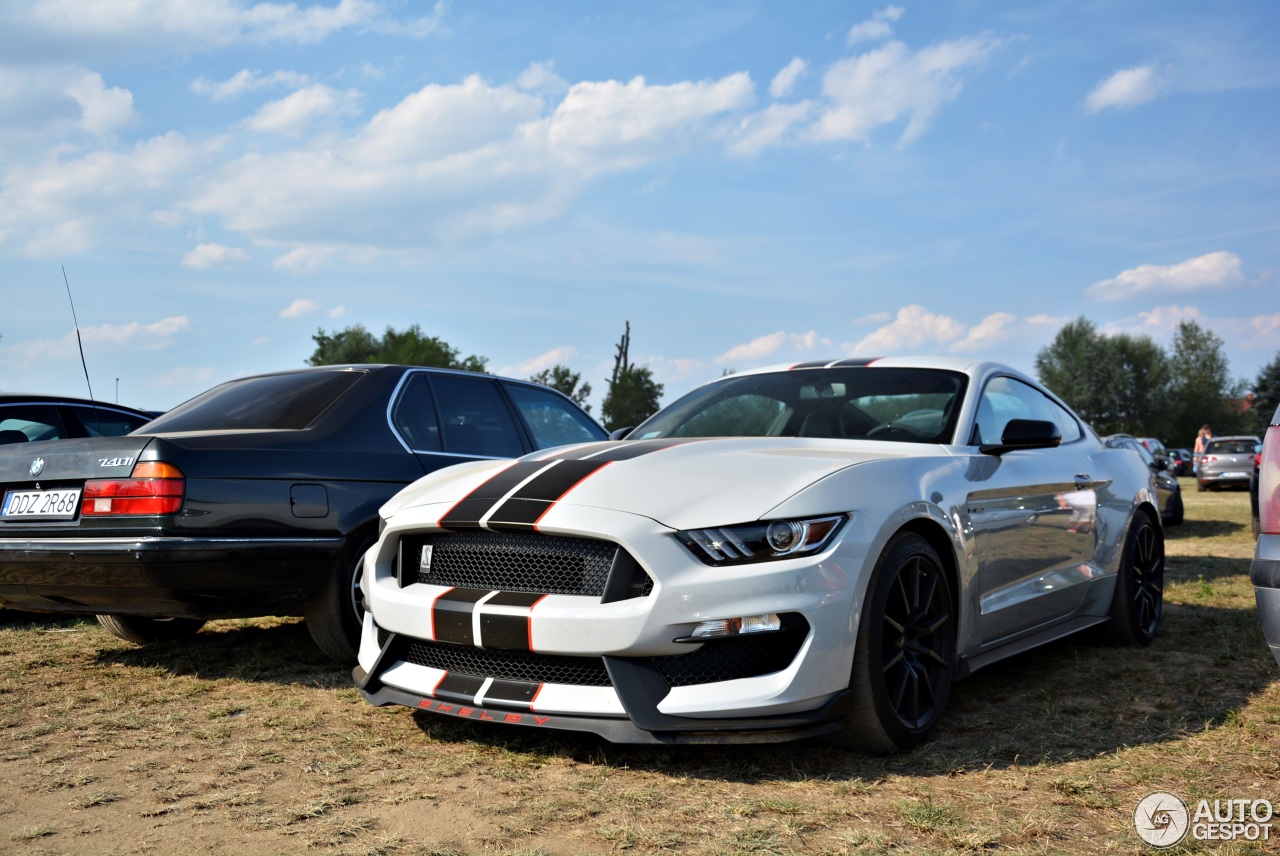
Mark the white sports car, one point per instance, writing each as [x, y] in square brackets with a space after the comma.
[817, 549]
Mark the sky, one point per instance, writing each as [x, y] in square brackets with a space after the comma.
[745, 183]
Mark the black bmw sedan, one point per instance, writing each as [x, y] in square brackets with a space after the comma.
[257, 497]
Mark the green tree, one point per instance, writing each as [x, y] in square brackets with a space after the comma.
[409, 347]
[1115, 383]
[560, 378]
[633, 394]
[1202, 390]
[1266, 390]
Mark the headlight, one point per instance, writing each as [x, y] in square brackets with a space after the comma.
[763, 541]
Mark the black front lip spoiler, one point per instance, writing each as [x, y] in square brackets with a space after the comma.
[640, 688]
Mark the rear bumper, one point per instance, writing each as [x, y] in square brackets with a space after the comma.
[165, 576]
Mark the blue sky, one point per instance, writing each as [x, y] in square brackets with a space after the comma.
[747, 183]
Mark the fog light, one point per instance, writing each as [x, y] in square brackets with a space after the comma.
[737, 626]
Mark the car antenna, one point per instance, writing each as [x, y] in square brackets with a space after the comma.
[79, 341]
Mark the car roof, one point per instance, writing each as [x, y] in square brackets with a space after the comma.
[45, 398]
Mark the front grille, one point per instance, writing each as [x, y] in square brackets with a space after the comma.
[739, 657]
[507, 665]
[510, 561]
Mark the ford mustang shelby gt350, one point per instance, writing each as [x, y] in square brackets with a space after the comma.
[812, 550]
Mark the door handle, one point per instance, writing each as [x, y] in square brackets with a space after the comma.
[1083, 480]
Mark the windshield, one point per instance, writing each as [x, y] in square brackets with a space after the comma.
[899, 404]
[285, 401]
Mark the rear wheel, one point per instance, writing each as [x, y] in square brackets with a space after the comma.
[334, 618]
[903, 662]
[142, 630]
[1138, 602]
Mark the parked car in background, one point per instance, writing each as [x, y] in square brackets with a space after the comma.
[1264, 572]
[257, 497]
[1158, 451]
[815, 549]
[1181, 461]
[1227, 462]
[28, 418]
[1172, 510]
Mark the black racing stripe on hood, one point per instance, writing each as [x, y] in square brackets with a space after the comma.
[855, 364]
[533, 499]
[635, 448]
[466, 513]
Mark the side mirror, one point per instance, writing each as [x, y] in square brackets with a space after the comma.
[621, 433]
[1024, 434]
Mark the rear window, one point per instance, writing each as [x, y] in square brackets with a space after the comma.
[279, 402]
[1231, 447]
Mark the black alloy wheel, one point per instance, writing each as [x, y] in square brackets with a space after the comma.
[1138, 602]
[903, 663]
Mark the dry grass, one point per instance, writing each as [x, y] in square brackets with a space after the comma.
[245, 740]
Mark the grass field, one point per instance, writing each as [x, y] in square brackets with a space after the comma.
[246, 740]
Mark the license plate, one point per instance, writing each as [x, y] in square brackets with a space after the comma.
[59, 504]
[1234, 476]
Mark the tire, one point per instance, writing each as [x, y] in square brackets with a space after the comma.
[905, 656]
[1176, 511]
[1200, 486]
[1138, 602]
[142, 630]
[335, 616]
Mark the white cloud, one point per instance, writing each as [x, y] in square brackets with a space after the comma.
[337, 312]
[104, 109]
[784, 81]
[1212, 272]
[609, 125]
[298, 308]
[766, 346]
[203, 24]
[248, 81]
[205, 256]
[305, 259]
[893, 82]
[557, 356]
[1127, 88]
[988, 332]
[60, 205]
[915, 329]
[135, 335]
[877, 27]
[293, 114]
[768, 127]
[540, 77]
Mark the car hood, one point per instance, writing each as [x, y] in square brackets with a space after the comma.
[680, 484]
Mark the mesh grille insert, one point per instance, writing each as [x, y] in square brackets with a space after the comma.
[510, 561]
[508, 665]
[742, 657]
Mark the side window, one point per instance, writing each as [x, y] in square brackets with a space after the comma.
[552, 420]
[1006, 398]
[473, 418]
[103, 422]
[28, 423]
[414, 416]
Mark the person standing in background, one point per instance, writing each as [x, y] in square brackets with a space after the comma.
[1202, 439]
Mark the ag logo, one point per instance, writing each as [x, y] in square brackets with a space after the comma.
[1161, 819]
[37, 467]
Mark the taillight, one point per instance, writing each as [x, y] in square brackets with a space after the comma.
[1269, 482]
[153, 487]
